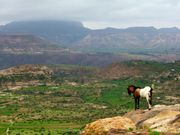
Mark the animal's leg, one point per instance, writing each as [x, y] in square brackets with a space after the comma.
[135, 100]
[150, 97]
[148, 101]
[138, 103]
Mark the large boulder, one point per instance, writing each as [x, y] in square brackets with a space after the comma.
[108, 125]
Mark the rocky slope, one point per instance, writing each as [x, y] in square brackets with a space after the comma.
[26, 44]
[162, 119]
[27, 69]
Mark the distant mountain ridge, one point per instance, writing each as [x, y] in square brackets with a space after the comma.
[67, 42]
[135, 39]
[75, 36]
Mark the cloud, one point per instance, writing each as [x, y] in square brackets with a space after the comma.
[95, 13]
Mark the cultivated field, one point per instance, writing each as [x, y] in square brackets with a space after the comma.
[64, 100]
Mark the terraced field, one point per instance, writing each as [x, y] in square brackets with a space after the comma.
[74, 96]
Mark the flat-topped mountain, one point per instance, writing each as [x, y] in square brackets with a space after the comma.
[63, 32]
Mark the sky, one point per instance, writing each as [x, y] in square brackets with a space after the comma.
[95, 14]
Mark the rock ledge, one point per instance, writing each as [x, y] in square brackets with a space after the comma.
[161, 118]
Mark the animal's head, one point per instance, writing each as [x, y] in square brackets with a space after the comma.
[131, 89]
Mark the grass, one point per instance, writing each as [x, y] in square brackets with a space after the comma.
[9, 109]
[154, 133]
[44, 127]
[65, 104]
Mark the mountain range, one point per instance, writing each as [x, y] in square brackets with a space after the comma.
[69, 42]
[75, 36]
[135, 39]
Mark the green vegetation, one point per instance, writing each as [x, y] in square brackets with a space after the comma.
[153, 132]
[76, 96]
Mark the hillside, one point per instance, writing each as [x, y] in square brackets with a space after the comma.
[26, 44]
[140, 68]
[21, 49]
[26, 69]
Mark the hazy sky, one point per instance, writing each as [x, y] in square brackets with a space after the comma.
[95, 13]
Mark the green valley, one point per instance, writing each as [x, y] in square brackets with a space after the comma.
[62, 99]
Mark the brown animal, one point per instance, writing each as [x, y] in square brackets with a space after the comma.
[139, 92]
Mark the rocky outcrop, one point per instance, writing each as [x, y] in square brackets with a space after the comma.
[165, 121]
[27, 69]
[109, 125]
[161, 118]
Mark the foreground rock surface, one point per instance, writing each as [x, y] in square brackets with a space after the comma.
[107, 125]
[161, 118]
